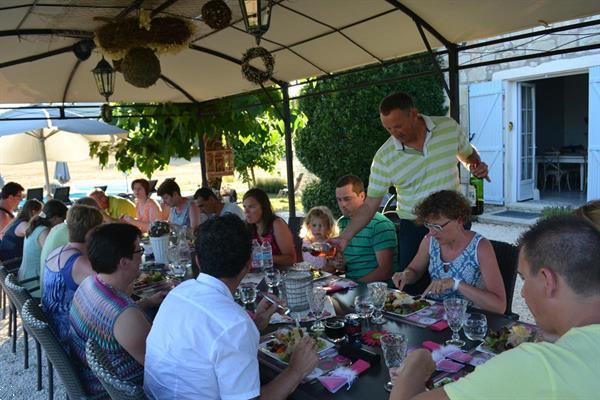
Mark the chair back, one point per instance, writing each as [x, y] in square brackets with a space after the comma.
[36, 321]
[117, 388]
[295, 225]
[17, 293]
[62, 194]
[35, 193]
[507, 256]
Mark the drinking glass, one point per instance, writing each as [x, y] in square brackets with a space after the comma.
[177, 269]
[455, 315]
[378, 292]
[272, 278]
[393, 346]
[475, 327]
[316, 299]
[364, 306]
[248, 294]
[334, 329]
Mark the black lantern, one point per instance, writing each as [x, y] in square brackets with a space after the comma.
[104, 74]
[257, 16]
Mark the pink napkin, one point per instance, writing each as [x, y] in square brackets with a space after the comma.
[340, 285]
[343, 376]
[439, 326]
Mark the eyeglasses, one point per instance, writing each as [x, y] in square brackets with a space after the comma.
[436, 227]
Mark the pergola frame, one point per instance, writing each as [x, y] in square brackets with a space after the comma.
[451, 51]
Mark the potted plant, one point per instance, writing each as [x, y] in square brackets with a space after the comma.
[159, 239]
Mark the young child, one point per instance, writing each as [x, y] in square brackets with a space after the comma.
[318, 226]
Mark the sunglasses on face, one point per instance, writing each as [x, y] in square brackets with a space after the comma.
[436, 227]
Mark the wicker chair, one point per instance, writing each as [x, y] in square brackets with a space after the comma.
[117, 388]
[6, 267]
[37, 322]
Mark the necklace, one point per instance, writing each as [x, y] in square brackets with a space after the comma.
[446, 266]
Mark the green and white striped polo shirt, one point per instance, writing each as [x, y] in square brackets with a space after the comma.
[417, 174]
[361, 253]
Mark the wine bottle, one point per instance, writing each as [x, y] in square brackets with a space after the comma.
[477, 190]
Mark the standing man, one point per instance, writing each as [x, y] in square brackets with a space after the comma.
[10, 197]
[558, 261]
[183, 210]
[113, 207]
[208, 203]
[205, 346]
[418, 159]
[371, 255]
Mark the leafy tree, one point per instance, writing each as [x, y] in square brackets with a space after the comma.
[159, 132]
[343, 131]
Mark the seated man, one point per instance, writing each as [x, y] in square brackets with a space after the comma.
[207, 202]
[202, 344]
[558, 261]
[183, 210]
[113, 207]
[103, 311]
[371, 255]
[10, 197]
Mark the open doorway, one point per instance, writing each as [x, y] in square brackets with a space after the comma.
[553, 139]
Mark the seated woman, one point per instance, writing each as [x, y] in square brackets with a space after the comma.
[266, 226]
[53, 213]
[461, 263]
[66, 267]
[11, 245]
[147, 209]
[102, 309]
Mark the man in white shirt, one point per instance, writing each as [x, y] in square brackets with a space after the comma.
[209, 204]
[202, 344]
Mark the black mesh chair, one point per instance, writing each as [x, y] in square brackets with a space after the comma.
[37, 322]
[18, 296]
[508, 258]
[117, 388]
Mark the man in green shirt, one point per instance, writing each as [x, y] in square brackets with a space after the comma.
[558, 261]
[113, 207]
[371, 255]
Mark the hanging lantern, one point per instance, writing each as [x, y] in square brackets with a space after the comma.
[104, 75]
[257, 16]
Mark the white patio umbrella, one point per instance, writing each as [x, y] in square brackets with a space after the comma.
[50, 139]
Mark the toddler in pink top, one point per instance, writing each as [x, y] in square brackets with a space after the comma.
[318, 226]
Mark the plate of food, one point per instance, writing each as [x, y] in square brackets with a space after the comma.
[149, 283]
[281, 343]
[507, 338]
[403, 304]
[318, 274]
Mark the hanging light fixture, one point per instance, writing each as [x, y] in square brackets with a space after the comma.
[257, 16]
[104, 74]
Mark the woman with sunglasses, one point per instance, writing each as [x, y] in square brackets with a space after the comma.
[460, 263]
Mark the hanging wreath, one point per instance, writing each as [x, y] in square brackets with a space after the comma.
[141, 67]
[253, 74]
[106, 113]
[216, 14]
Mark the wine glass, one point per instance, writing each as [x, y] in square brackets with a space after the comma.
[475, 327]
[272, 278]
[455, 315]
[364, 306]
[393, 346]
[378, 292]
[248, 294]
[316, 300]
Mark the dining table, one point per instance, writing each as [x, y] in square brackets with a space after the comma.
[370, 384]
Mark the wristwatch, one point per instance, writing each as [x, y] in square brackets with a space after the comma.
[456, 283]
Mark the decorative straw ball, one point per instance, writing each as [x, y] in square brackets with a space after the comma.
[141, 67]
[216, 14]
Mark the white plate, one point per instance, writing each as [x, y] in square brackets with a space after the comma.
[263, 348]
[409, 314]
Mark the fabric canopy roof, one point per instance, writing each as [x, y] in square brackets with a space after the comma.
[307, 37]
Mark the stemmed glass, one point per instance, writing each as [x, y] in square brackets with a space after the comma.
[316, 300]
[378, 292]
[248, 294]
[393, 346]
[272, 278]
[455, 315]
[364, 306]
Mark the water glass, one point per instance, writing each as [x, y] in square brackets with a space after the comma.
[316, 299]
[393, 346]
[364, 306]
[248, 294]
[455, 315]
[272, 278]
[378, 292]
[475, 327]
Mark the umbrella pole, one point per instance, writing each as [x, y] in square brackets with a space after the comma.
[45, 161]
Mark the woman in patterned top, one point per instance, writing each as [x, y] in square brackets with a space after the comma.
[461, 263]
[102, 309]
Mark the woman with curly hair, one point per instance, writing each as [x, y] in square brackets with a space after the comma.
[461, 263]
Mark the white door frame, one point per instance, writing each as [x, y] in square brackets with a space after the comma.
[525, 187]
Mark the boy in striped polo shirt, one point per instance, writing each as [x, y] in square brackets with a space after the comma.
[371, 255]
[418, 159]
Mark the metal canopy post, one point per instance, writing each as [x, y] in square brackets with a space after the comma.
[289, 161]
[453, 80]
[202, 151]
